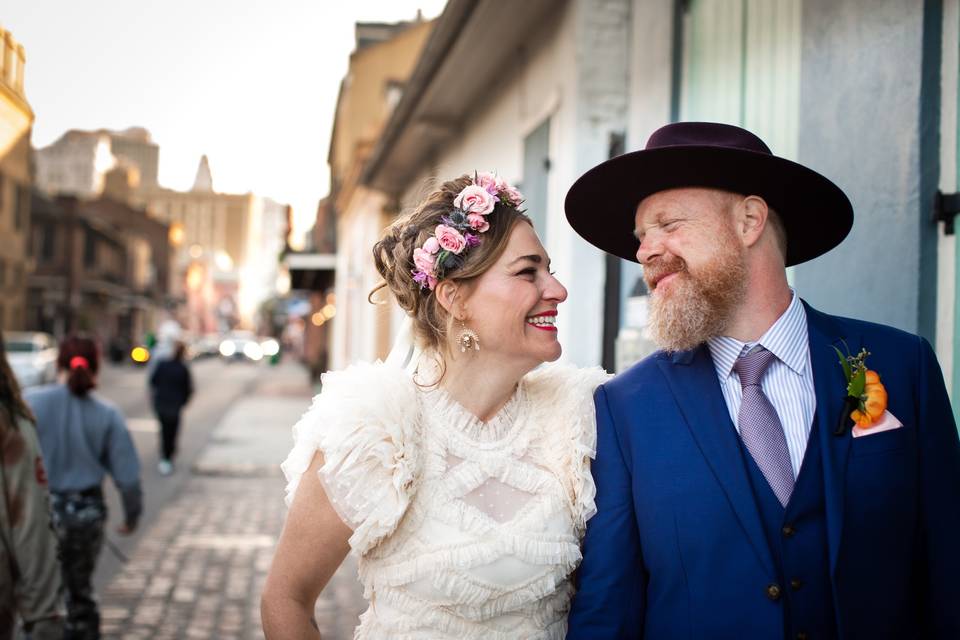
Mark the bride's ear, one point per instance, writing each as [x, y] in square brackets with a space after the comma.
[452, 297]
[447, 293]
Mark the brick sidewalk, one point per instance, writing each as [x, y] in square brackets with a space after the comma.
[199, 571]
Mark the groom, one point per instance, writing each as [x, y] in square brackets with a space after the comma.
[736, 497]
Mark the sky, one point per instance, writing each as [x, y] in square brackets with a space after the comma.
[251, 84]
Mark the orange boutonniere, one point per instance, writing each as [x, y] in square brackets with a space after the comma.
[866, 395]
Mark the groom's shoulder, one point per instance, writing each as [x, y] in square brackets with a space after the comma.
[644, 373]
[872, 333]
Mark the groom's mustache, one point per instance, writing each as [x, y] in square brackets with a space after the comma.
[659, 269]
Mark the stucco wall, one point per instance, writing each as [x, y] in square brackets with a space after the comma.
[356, 327]
[860, 115]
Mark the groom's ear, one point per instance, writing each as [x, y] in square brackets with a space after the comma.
[751, 219]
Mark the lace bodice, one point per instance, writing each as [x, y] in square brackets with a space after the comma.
[464, 529]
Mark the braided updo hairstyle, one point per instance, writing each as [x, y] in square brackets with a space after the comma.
[393, 256]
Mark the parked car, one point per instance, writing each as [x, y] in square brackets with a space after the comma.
[32, 356]
[206, 346]
[241, 345]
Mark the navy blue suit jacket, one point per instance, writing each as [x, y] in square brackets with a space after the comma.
[677, 548]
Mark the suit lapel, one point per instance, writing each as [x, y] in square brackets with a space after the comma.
[693, 381]
[830, 388]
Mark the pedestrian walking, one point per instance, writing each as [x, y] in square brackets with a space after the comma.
[171, 387]
[29, 572]
[83, 438]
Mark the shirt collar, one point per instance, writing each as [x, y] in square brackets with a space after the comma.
[786, 339]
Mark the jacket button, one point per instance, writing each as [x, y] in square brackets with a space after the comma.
[773, 591]
[788, 531]
[796, 584]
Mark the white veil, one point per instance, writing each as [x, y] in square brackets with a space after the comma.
[405, 353]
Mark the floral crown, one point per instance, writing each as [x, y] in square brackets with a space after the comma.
[460, 229]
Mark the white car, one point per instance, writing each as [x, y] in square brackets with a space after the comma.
[32, 356]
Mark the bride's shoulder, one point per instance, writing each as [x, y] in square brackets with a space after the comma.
[371, 386]
[364, 421]
[564, 383]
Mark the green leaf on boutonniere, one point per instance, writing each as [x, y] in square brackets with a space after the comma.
[847, 372]
[858, 383]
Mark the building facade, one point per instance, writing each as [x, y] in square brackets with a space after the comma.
[16, 122]
[78, 162]
[227, 249]
[101, 267]
[378, 73]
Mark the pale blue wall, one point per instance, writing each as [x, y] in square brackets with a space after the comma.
[869, 120]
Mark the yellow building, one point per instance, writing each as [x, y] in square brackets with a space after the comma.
[16, 121]
[379, 68]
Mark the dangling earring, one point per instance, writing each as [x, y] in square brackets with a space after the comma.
[468, 339]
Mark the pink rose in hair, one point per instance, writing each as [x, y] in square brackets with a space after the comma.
[511, 194]
[475, 199]
[478, 222]
[423, 260]
[450, 239]
[488, 181]
[431, 245]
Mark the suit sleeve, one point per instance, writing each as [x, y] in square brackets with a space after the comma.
[610, 599]
[939, 500]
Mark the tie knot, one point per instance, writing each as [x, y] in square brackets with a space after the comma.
[751, 366]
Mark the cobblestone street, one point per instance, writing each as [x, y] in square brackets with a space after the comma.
[199, 570]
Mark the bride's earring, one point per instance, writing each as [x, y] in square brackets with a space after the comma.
[467, 339]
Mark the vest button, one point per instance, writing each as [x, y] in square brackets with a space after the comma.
[788, 531]
[796, 584]
[773, 591]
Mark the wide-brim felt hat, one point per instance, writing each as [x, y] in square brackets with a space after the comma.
[601, 205]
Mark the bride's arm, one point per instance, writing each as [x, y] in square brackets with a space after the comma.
[311, 548]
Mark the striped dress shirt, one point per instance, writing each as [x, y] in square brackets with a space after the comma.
[788, 382]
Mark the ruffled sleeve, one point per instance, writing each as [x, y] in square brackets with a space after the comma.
[562, 401]
[364, 421]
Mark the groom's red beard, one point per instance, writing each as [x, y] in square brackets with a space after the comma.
[694, 306]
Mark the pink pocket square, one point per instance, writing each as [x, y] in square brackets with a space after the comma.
[887, 422]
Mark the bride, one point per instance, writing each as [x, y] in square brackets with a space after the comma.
[464, 487]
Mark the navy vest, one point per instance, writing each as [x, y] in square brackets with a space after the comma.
[797, 537]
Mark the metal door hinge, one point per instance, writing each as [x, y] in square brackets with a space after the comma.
[945, 208]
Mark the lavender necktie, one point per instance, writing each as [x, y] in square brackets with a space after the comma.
[760, 427]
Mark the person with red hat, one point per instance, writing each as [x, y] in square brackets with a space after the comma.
[773, 471]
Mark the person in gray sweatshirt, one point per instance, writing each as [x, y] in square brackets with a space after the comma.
[83, 438]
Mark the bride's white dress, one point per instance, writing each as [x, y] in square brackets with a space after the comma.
[463, 529]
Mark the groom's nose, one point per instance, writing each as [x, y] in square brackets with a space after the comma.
[650, 248]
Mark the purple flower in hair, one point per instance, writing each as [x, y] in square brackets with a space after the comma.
[472, 240]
